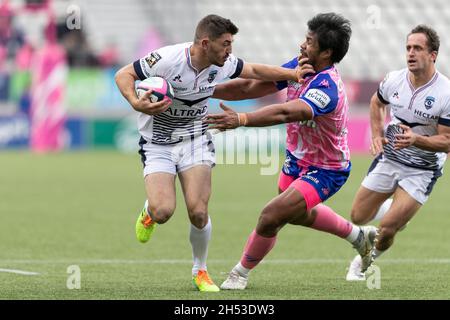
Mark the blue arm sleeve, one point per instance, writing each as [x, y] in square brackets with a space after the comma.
[290, 65]
[138, 69]
[444, 118]
[321, 95]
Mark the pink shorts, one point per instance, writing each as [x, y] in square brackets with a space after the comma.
[308, 192]
[314, 183]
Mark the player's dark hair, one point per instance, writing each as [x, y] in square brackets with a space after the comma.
[333, 32]
[433, 41]
[213, 26]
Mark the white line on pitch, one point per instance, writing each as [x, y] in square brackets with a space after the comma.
[216, 261]
[25, 273]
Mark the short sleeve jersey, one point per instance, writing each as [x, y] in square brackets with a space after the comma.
[322, 141]
[422, 109]
[185, 116]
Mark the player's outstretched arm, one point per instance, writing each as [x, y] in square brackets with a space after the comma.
[377, 117]
[125, 79]
[295, 110]
[240, 89]
[436, 143]
[257, 80]
[267, 72]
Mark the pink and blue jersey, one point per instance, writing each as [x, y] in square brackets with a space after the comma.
[322, 141]
[317, 156]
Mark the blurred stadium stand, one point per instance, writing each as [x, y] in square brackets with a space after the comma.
[270, 31]
[114, 33]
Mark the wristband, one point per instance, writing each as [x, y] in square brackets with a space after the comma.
[242, 119]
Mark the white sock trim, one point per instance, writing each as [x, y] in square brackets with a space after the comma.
[377, 253]
[243, 271]
[353, 236]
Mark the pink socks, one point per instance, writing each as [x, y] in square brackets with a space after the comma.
[256, 249]
[329, 221]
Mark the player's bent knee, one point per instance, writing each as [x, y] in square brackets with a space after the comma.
[304, 218]
[199, 218]
[162, 215]
[268, 222]
[356, 219]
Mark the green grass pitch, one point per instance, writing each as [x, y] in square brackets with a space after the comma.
[80, 208]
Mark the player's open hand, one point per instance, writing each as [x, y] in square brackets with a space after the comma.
[377, 145]
[303, 69]
[144, 105]
[229, 119]
[405, 139]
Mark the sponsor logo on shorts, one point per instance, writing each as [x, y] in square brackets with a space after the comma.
[287, 163]
[310, 177]
[313, 179]
[318, 97]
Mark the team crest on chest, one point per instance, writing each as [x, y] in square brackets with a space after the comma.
[212, 75]
[429, 101]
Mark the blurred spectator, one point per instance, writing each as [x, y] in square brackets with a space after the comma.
[109, 56]
[11, 43]
[11, 39]
[24, 56]
[36, 4]
[79, 53]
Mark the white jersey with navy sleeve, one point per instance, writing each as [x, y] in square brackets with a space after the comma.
[421, 109]
[184, 118]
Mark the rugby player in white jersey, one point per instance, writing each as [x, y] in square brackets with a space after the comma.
[411, 151]
[174, 138]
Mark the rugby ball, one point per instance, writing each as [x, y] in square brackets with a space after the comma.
[162, 89]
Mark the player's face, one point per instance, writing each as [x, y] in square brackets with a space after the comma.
[219, 49]
[418, 55]
[310, 49]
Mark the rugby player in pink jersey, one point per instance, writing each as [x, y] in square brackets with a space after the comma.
[317, 157]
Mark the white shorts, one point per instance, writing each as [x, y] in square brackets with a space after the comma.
[177, 157]
[386, 175]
